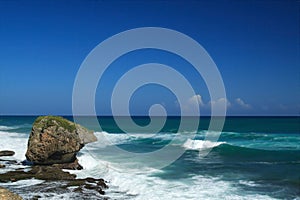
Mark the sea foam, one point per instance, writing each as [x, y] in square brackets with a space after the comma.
[145, 183]
[200, 144]
[4, 128]
[16, 142]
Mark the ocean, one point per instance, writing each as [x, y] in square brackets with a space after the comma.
[254, 158]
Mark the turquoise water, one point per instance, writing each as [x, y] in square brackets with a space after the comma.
[254, 158]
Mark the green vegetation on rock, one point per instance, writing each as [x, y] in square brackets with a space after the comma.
[46, 121]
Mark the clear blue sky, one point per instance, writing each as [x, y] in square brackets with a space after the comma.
[255, 45]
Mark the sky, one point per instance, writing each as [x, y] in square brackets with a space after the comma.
[254, 44]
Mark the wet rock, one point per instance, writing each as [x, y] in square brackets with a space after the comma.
[37, 197]
[73, 165]
[7, 153]
[8, 195]
[51, 173]
[38, 172]
[55, 140]
[10, 162]
[4, 163]
[90, 184]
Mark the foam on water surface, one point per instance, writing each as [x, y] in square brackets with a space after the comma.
[145, 184]
[200, 144]
[16, 142]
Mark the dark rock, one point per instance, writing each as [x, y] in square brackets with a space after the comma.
[89, 184]
[73, 166]
[39, 172]
[13, 162]
[52, 173]
[100, 191]
[90, 180]
[26, 162]
[90, 187]
[7, 153]
[5, 163]
[55, 140]
[37, 197]
[78, 189]
[8, 195]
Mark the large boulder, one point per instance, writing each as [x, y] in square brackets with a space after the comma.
[55, 140]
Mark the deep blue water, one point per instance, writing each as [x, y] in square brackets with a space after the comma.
[255, 157]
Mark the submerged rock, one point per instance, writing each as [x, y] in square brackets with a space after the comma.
[8, 195]
[7, 153]
[55, 140]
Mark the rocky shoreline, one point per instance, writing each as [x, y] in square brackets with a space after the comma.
[52, 146]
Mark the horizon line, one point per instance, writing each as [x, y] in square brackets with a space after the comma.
[69, 115]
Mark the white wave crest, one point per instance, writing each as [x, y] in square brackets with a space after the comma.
[16, 142]
[143, 184]
[200, 144]
[107, 139]
[23, 183]
[5, 128]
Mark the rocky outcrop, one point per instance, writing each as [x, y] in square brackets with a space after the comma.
[52, 173]
[52, 146]
[41, 172]
[55, 140]
[8, 195]
[7, 153]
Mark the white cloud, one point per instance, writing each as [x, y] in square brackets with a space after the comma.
[220, 102]
[219, 106]
[196, 100]
[241, 103]
[191, 105]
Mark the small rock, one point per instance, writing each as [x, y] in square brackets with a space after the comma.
[2, 166]
[90, 184]
[5, 194]
[7, 153]
[26, 162]
[78, 189]
[37, 197]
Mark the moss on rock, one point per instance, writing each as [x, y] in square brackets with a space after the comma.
[46, 121]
